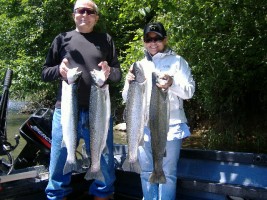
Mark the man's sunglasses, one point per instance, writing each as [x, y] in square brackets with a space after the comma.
[155, 39]
[81, 11]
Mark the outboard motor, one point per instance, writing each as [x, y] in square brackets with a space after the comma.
[6, 159]
[36, 130]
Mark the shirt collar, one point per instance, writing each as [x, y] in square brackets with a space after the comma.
[167, 51]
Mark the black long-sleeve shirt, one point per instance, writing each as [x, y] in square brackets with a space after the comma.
[83, 50]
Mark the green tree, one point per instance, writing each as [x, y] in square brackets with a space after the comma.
[28, 28]
[224, 41]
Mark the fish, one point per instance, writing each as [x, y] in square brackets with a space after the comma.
[135, 117]
[69, 118]
[99, 117]
[159, 115]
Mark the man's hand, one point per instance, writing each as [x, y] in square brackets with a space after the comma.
[105, 68]
[63, 68]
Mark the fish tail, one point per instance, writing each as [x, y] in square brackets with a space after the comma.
[135, 167]
[157, 177]
[69, 167]
[131, 166]
[132, 158]
[126, 165]
[94, 175]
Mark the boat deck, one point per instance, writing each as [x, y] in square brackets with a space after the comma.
[202, 175]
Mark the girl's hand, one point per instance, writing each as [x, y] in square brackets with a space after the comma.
[165, 81]
[130, 76]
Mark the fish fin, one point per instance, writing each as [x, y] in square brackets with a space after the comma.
[105, 149]
[69, 167]
[141, 142]
[157, 177]
[94, 175]
[63, 144]
[124, 115]
[126, 165]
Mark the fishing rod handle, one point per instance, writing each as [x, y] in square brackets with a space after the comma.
[8, 78]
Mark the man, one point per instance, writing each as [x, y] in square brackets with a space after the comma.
[88, 50]
[178, 81]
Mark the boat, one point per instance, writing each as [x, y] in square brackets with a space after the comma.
[202, 175]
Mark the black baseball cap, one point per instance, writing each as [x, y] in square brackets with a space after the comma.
[155, 27]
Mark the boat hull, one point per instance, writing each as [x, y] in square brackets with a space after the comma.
[202, 175]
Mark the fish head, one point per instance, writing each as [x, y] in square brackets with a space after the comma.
[73, 74]
[138, 72]
[98, 77]
[155, 77]
[158, 78]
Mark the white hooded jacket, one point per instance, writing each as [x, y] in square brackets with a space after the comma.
[183, 87]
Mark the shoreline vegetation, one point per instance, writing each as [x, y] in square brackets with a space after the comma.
[224, 43]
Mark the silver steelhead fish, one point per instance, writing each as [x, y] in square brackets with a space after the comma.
[99, 116]
[135, 117]
[69, 118]
[159, 127]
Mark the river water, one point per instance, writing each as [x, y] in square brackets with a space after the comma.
[15, 119]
